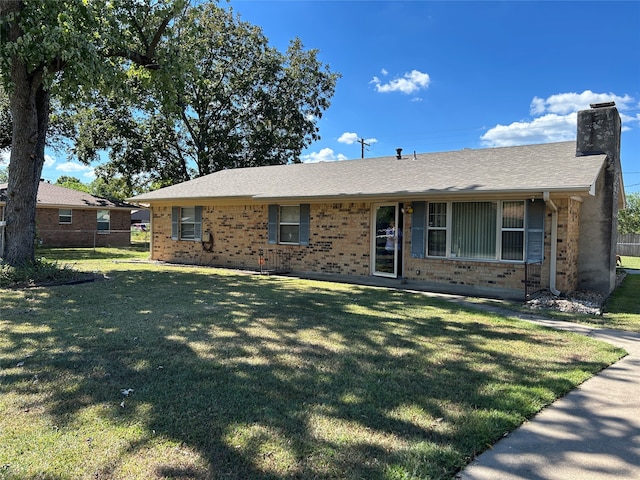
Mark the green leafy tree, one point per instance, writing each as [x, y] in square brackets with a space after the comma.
[233, 101]
[62, 49]
[73, 183]
[115, 188]
[3, 175]
[629, 218]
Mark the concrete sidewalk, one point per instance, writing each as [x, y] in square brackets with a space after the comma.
[591, 433]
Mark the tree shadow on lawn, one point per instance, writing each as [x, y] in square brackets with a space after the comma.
[266, 380]
[82, 253]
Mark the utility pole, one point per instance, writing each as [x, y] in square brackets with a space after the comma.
[363, 144]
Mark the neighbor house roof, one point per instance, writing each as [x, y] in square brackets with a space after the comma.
[552, 167]
[50, 195]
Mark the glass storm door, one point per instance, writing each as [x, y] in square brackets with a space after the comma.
[386, 241]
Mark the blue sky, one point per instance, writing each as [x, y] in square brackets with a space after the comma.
[438, 76]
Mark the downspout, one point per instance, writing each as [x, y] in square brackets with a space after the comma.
[554, 243]
[151, 230]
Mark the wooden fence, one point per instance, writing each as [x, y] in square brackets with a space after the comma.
[629, 245]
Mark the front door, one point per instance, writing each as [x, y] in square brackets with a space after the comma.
[387, 241]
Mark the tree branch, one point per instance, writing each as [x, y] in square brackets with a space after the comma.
[151, 49]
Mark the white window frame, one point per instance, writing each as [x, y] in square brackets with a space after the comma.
[498, 254]
[192, 224]
[103, 231]
[287, 224]
[431, 228]
[177, 223]
[61, 215]
[503, 229]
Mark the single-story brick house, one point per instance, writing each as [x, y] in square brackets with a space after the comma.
[471, 221]
[69, 218]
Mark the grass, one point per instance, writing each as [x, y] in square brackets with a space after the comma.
[240, 376]
[57, 267]
[622, 310]
[631, 262]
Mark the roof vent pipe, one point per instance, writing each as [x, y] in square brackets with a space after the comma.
[399, 153]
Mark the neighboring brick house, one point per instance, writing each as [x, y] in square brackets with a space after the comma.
[471, 221]
[69, 218]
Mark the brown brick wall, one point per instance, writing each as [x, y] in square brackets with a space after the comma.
[568, 236]
[340, 244]
[461, 272]
[81, 232]
[339, 239]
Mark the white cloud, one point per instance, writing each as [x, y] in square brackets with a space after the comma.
[348, 138]
[5, 155]
[565, 103]
[537, 106]
[411, 82]
[73, 167]
[548, 128]
[555, 119]
[628, 121]
[324, 155]
[384, 71]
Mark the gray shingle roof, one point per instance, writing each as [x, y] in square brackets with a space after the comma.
[550, 167]
[56, 196]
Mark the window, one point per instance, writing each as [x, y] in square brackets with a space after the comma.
[186, 223]
[64, 215]
[104, 221]
[535, 231]
[473, 230]
[437, 230]
[512, 231]
[289, 224]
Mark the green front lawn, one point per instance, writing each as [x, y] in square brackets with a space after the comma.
[241, 376]
[631, 262]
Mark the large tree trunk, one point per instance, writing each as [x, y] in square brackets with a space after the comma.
[30, 111]
[29, 103]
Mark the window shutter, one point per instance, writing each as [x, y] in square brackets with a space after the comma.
[535, 231]
[272, 234]
[417, 229]
[304, 224]
[198, 225]
[175, 223]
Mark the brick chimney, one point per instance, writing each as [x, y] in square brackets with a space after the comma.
[599, 132]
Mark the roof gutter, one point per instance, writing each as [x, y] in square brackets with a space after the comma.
[554, 243]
